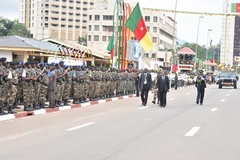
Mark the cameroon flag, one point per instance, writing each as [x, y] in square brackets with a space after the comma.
[110, 46]
[235, 7]
[137, 25]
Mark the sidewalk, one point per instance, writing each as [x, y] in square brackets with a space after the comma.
[21, 113]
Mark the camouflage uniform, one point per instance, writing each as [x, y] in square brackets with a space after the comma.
[58, 92]
[37, 87]
[91, 85]
[28, 90]
[2, 90]
[67, 87]
[155, 90]
[76, 93]
[11, 97]
[43, 80]
[86, 87]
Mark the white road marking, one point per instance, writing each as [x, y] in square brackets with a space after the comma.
[81, 126]
[187, 93]
[192, 131]
[172, 99]
[227, 94]
[143, 107]
[223, 100]
[214, 109]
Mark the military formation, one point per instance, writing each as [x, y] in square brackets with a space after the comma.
[33, 83]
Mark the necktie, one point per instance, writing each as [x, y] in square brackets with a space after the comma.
[145, 76]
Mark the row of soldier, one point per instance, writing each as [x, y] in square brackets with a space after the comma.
[32, 84]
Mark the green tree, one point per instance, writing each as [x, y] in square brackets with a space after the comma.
[9, 28]
[82, 41]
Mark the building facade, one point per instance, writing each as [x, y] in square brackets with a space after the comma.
[160, 28]
[62, 19]
[227, 36]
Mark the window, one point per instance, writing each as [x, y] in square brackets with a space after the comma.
[96, 27]
[90, 17]
[89, 27]
[108, 17]
[147, 18]
[154, 39]
[97, 17]
[109, 37]
[104, 28]
[104, 38]
[153, 55]
[155, 19]
[146, 55]
[148, 28]
[89, 38]
[110, 28]
[155, 29]
[96, 38]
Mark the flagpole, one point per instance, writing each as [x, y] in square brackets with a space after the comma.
[116, 37]
[174, 38]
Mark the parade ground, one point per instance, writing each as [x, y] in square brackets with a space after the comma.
[123, 129]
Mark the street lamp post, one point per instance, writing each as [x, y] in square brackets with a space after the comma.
[197, 37]
[209, 30]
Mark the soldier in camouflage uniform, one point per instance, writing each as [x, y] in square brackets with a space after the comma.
[28, 88]
[91, 85]
[13, 82]
[58, 92]
[86, 86]
[67, 86]
[4, 82]
[76, 93]
[2, 91]
[20, 87]
[36, 71]
[43, 80]
[81, 85]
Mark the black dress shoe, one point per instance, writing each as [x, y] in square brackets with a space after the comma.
[197, 102]
[200, 103]
[144, 104]
[163, 106]
[153, 102]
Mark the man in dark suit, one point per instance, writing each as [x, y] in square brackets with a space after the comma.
[201, 85]
[163, 88]
[145, 83]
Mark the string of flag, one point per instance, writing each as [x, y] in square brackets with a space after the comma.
[189, 12]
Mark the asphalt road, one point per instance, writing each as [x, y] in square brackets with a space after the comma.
[124, 130]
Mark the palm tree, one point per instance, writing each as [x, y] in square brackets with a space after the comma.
[82, 41]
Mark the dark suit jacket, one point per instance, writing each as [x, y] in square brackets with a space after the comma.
[163, 85]
[142, 79]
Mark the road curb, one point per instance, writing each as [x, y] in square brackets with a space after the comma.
[50, 110]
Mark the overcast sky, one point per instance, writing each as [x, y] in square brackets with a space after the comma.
[186, 23]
